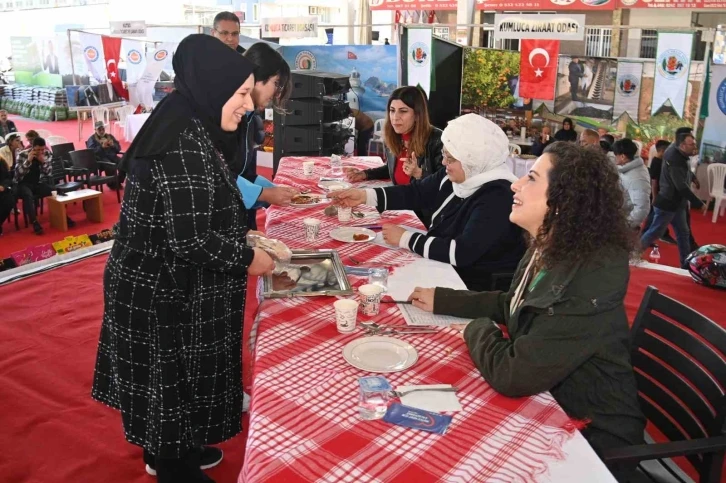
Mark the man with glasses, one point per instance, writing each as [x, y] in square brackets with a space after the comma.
[106, 148]
[226, 29]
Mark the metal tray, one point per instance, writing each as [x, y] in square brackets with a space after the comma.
[310, 273]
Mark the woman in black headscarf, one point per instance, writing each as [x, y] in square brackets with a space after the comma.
[175, 281]
[567, 133]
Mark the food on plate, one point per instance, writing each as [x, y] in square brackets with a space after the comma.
[360, 237]
[304, 199]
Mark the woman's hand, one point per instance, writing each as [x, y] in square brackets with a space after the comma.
[354, 175]
[423, 298]
[411, 168]
[278, 195]
[256, 233]
[262, 263]
[392, 234]
[351, 197]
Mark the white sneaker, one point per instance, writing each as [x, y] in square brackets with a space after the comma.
[245, 402]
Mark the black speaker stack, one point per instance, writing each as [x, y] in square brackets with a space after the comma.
[315, 119]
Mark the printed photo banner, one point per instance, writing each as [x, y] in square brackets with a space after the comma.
[418, 58]
[92, 48]
[672, 62]
[627, 89]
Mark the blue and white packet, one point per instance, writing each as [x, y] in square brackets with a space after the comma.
[409, 417]
[374, 384]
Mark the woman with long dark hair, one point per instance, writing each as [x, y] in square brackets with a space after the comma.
[567, 328]
[413, 145]
[175, 281]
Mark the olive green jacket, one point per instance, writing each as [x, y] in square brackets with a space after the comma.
[570, 336]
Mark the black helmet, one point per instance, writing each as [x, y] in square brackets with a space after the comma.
[707, 265]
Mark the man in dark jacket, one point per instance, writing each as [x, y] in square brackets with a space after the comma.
[674, 193]
[226, 29]
[575, 71]
[106, 148]
[6, 127]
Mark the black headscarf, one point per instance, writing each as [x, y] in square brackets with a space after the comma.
[208, 73]
[567, 134]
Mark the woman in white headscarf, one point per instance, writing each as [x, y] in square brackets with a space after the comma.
[471, 201]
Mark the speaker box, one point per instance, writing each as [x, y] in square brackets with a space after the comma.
[316, 84]
[302, 112]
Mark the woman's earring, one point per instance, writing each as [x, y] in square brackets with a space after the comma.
[557, 212]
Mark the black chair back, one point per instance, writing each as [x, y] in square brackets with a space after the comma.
[62, 151]
[84, 159]
[679, 358]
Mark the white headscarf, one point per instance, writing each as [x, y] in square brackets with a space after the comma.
[482, 149]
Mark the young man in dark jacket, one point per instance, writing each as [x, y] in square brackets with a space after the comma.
[674, 194]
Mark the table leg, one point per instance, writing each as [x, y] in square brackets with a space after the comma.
[57, 215]
[94, 209]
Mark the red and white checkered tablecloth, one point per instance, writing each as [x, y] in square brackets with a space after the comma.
[304, 423]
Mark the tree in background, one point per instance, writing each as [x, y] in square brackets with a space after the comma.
[486, 76]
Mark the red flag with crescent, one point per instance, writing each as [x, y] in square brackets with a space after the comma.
[538, 69]
[112, 52]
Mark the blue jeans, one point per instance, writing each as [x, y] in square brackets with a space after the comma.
[661, 220]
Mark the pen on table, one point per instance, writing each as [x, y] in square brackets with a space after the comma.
[395, 301]
[372, 227]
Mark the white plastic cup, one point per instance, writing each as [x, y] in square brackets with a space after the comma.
[312, 229]
[523, 133]
[370, 296]
[344, 213]
[308, 167]
[54, 194]
[346, 313]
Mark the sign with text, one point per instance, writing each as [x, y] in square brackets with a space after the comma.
[557, 5]
[133, 28]
[544, 27]
[412, 4]
[671, 4]
[289, 27]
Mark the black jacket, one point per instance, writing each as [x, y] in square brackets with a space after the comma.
[570, 336]
[429, 163]
[574, 72]
[473, 234]
[674, 184]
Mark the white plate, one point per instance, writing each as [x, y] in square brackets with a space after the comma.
[345, 234]
[380, 354]
[307, 205]
[328, 184]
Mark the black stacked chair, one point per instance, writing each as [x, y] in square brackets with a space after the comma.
[62, 151]
[679, 358]
[85, 163]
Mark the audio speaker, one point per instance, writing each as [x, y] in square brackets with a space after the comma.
[301, 112]
[316, 84]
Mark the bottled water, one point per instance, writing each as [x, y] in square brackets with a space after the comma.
[336, 165]
[374, 392]
[655, 254]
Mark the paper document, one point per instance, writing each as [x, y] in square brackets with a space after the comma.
[416, 316]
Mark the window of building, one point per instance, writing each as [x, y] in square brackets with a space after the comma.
[648, 43]
[597, 42]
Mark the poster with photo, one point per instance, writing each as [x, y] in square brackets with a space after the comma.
[491, 81]
[586, 87]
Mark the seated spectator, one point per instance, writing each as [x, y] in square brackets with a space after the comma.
[30, 165]
[512, 129]
[601, 131]
[635, 179]
[106, 148]
[6, 126]
[7, 198]
[542, 141]
[10, 150]
[567, 330]
[567, 133]
[471, 200]
[30, 136]
[589, 138]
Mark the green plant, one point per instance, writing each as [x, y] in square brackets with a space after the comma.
[486, 73]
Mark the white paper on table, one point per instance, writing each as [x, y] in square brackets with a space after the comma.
[433, 401]
[415, 316]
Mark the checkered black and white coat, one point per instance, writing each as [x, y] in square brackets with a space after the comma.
[174, 290]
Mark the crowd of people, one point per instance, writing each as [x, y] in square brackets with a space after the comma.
[545, 255]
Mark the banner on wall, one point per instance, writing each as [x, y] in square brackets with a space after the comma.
[112, 54]
[557, 5]
[538, 68]
[418, 58]
[412, 4]
[289, 27]
[372, 69]
[155, 62]
[671, 4]
[713, 142]
[534, 26]
[133, 52]
[40, 61]
[672, 62]
[627, 89]
[92, 49]
[586, 87]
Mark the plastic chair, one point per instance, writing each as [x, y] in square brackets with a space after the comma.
[100, 114]
[84, 160]
[55, 140]
[677, 357]
[44, 133]
[122, 115]
[716, 177]
[377, 138]
[515, 149]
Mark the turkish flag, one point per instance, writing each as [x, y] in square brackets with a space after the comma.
[352, 56]
[538, 69]
[432, 16]
[112, 53]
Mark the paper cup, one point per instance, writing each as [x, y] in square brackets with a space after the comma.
[346, 312]
[312, 229]
[54, 194]
[344, 213]
[370, 298]
[308, 167]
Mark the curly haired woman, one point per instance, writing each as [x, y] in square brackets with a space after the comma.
[564, 314]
